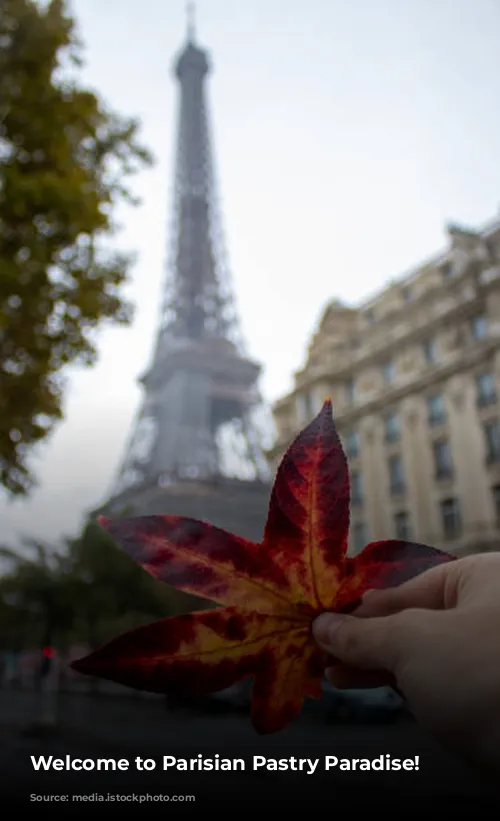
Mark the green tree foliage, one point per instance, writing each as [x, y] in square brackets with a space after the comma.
[89, 592]
[35, 603]
[111, 592]
[64, 164]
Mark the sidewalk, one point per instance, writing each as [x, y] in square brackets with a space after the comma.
[135, 722]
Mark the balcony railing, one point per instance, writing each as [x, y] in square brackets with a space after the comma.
[444, 473]
[486, 400]
[397, 487]
[435, 420]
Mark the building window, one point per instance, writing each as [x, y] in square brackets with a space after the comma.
[429, 348]
[495, 491]
[352, 445]
[391, 426]
[451, 518]
[388, 372]
[359, 537]
[402, 526]
[396, 475]
[304, 406]
[436, 411]
[356, 488]
[479, 327]
[350, 390]
[486, 389]
[492, 437]
[317, 400]
[447, 270]
[442, 459]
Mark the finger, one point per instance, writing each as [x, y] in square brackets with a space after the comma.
[371, 644]
[349, 678]
[436, 589]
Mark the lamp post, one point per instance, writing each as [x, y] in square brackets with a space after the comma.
[46, 719]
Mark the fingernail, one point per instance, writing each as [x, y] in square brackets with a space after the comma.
[325, 627]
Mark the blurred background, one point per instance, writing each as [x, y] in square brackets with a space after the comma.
[211, 219]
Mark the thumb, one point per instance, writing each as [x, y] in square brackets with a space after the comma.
[369, 644]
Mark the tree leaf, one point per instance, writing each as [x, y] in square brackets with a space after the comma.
[385, 564]
[199, 653]
[203, 560]
[272, 591]
[308, 524]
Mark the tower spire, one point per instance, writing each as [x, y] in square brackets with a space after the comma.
[191, 21]
[198, 416]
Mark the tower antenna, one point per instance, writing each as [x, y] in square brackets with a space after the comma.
[191, 20]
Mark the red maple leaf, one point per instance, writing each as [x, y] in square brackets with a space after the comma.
[271, 591]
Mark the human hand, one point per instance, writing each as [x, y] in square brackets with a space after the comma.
[437, 638]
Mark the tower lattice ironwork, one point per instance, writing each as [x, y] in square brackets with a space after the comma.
[202, 417]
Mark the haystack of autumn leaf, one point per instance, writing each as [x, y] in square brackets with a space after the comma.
[271, 591]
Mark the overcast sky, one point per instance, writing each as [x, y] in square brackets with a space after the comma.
[347, 133]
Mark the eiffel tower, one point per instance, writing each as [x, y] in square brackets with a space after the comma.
[197, 444]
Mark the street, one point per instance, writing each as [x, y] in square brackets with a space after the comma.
[126, 727]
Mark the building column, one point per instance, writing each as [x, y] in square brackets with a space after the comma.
[468, 452]
[374, 471]
[420, 504]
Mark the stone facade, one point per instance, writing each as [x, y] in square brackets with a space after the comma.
[414, 378]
